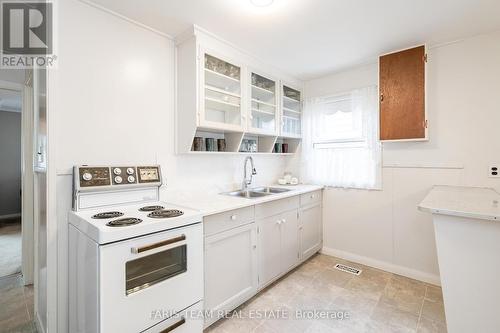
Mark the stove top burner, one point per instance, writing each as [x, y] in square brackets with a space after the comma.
[107, 215]
[125, 222]
[165, 213]
[150, 208]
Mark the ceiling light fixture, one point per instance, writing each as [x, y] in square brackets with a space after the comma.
[262, 3]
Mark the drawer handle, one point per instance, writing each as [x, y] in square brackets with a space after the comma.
[159, 244]
[174, 326]
[233, 217]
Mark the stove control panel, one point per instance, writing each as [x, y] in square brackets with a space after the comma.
[97, 176]
[124, 175]
[148, 174]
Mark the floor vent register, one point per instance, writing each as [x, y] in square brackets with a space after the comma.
[348, 269]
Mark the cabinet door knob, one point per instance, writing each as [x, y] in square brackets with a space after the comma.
[283, 221]
[233, 217]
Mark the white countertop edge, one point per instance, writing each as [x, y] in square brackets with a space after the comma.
[458, 213]
[229, 203]
[277, 196]
[434, 209]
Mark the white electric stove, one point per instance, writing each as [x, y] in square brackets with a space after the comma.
[136, 263]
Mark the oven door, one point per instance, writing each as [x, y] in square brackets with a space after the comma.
[144, 276]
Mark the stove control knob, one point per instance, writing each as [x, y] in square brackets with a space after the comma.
[117, 171]
[118, 179]
[130, 171]
[87, 176]
[131, 179]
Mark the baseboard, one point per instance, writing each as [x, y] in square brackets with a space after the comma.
[9, 216]
[385, 266]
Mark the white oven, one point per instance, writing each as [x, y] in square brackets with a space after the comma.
[135, 262]
[141, 277]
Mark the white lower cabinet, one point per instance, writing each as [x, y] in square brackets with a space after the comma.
[278, 245]
[248, 248]
[269, 249]
[230, 269]
[310, 231]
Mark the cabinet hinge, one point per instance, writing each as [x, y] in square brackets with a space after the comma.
[426, 123]
[258, 230]
[258, 279]
[298, 255]
[425, 57]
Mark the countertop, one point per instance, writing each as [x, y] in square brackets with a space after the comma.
[470, 202]
[210, 204]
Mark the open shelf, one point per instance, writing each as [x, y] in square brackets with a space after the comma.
[293, 145]
[232, 140]
[256, 144]
[225, 153]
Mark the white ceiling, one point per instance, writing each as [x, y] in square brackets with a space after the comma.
[311, 38]
[10, 100]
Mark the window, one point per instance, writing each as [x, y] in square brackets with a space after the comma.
[341, 123]
[340, 145]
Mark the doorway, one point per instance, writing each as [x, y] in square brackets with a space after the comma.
[17, 223]
[10, 181]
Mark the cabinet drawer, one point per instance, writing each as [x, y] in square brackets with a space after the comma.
[216, 223]
[276, 207]
[183, 322]
[310, 198]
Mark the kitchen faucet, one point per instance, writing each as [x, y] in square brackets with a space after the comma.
[247, 182]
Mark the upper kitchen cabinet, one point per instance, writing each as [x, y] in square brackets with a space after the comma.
[264, 112]
[221, 87]
[229, 102]
[291, 105]
[402, 95]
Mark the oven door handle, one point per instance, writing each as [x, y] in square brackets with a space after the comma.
[153, 246]
[181, 322]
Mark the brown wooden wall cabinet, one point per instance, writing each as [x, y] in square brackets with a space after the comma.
[402, 95]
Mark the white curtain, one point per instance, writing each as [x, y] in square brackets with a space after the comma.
[342, 163]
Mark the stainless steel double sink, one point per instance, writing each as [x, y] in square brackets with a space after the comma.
[257, 192]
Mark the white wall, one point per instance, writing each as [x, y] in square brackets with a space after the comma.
[384, 228]
[112, 102]
[10, 163]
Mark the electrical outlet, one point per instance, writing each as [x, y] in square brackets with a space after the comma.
[493, 171]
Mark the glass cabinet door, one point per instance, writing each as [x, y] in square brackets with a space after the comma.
[292, 112]
[263, 105]
[222, 94]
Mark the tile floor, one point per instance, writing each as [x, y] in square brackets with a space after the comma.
[16, 306]
[375, 301]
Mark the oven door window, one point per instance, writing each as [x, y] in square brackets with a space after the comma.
[149, 270]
